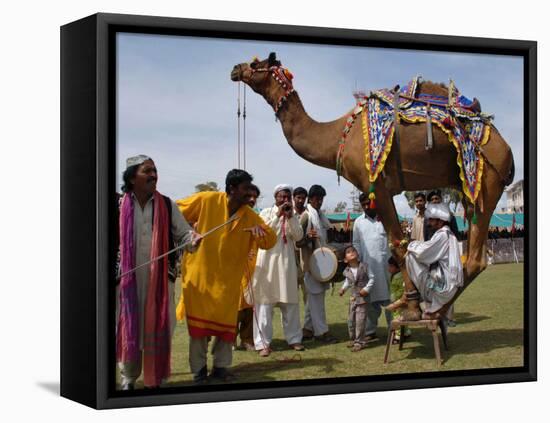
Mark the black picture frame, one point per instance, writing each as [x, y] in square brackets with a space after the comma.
[88, 131]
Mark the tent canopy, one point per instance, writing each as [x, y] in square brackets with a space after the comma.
[503, 220]
[342, 217]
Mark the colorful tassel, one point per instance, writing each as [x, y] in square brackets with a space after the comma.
[372, 197]
[447, 123]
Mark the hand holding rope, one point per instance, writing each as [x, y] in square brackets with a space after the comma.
[196, 239]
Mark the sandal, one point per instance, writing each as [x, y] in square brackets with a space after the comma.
[357, 347]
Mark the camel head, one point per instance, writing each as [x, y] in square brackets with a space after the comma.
[267, 78]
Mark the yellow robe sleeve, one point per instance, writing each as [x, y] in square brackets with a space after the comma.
[190, 208]
[269, 240]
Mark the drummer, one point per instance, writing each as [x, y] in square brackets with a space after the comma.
[314, 224]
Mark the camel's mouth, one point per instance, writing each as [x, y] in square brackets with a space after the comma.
[236, 73]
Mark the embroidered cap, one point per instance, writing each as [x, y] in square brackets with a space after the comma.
[136, 160]
[438, 211]
[282, 187]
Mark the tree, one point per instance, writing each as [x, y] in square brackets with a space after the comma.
[207, 186]
[450, 196]
[340, 207]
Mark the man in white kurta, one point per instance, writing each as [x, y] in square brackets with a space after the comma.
[275, 277]
[434, 266]
[371, 241]
[299, 195]
[417, 230]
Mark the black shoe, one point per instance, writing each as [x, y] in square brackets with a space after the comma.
[221, 374]
[326, 338]
[201, 377]
[307, 335]
[127, 387]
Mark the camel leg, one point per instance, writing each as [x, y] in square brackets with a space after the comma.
[410, 302]
[491, 190]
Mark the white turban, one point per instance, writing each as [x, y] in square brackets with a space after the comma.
[282, 187]
[438, 211]
[136, 160]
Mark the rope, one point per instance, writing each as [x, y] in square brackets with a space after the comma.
[239, 125]
[179, 247]
[244, 127]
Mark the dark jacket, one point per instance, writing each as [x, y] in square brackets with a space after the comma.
[358, 283]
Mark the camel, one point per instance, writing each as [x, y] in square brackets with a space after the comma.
[318, 143]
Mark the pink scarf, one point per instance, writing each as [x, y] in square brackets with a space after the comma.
[156, 331]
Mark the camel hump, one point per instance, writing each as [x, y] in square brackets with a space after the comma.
[433, 88]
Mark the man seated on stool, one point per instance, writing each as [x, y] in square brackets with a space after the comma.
[434, 266]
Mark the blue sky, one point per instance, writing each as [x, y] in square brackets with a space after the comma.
[177, 104]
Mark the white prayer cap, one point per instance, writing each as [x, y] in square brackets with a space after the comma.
[438, 211]
[282, 187]
[136, 160]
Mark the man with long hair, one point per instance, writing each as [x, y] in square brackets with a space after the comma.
[149, 226]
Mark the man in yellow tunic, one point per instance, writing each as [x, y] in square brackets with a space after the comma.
[211, 286]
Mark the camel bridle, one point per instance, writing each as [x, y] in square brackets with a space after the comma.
[280, 75]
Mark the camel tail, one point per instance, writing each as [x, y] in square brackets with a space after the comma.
[511, 174]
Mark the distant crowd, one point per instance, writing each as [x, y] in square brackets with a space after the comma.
[496, 232]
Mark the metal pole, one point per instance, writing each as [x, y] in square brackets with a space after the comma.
[244, 127]
[239, 125]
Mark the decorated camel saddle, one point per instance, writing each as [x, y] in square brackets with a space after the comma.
[460, 118]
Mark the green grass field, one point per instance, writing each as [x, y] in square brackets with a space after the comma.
[489, 334]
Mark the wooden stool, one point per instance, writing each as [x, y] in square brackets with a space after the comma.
[432, 325]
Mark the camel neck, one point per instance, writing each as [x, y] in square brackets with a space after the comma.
[314, 141]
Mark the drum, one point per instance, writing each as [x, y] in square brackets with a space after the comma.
[323, 264]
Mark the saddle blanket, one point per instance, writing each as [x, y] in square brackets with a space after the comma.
[466, 130]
